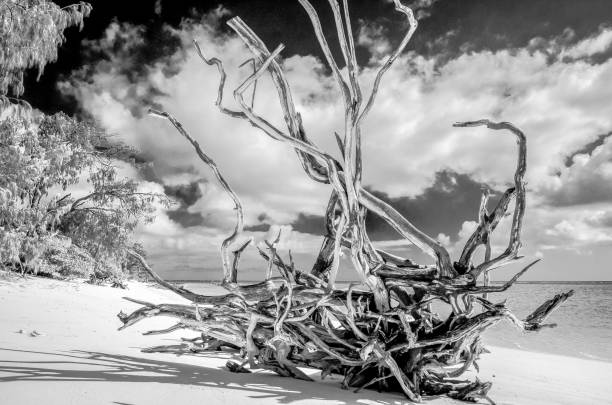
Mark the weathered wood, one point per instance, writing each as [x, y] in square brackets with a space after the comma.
[534, 320]
[382, 331]
[225, 256]
[514, 243]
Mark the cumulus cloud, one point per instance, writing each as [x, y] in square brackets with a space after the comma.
[560, 103]
[592, 46]
[440, 208]
[443, 239]
[373, 37]
[584, 180]
[578, 231]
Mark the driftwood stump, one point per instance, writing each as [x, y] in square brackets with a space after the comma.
[382, 331]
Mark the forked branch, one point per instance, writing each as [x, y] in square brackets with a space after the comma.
[514, 243]
[386, 335]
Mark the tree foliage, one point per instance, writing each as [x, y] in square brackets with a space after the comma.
[42, 162]
[30, 33]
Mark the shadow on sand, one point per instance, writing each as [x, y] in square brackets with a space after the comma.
[92, 366]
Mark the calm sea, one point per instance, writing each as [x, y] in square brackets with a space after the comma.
[584, 321]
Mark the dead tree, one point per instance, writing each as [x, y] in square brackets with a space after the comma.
[381, 332]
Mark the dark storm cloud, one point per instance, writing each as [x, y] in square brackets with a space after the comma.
[257, 228]
[186, 195]
[314, 224]
[262, 226]
[185, 218]
[442, 208]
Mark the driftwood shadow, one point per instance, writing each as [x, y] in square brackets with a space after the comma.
[78, 366]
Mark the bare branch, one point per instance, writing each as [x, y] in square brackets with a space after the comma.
[292, 118]
[487, 288]
[316, 25]
[301, 319]
[234, 273]
[487, 224]
[409, 231]
[412, 22]
[223, 76]
[273, 256]
[534, 320]
[224, 184]
[254, 65]
[183, 292]
[172, 328]
[519, 210]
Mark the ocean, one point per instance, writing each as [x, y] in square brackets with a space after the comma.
[584, 321]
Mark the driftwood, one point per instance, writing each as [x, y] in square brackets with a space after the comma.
[382, 331]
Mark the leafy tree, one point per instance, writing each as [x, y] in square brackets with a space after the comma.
[133, 267]
[43, 157]
[30, 33]
[41, 161]
[102, 222]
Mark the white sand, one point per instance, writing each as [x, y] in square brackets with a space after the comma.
[81, 358]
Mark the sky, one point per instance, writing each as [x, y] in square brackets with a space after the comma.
[544, 65]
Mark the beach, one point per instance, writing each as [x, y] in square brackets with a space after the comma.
[59, 344]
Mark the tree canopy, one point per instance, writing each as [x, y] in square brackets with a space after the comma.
[30, 33]
[43, 161]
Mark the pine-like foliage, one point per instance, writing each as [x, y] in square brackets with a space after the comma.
[30, 33]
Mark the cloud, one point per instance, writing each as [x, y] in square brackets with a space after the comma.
[592, 46]
[440, 208]
[600, 218]
[578, 231]
[422, 8]
[186, 195]
[587, 148]
[373, 37]
[412, 155]
[585, 180]
[443, 239]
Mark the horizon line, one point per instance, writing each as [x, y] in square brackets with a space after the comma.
[350, 281]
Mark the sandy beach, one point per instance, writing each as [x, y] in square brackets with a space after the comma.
[79, 357]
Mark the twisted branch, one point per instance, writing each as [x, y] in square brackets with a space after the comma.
[514, 244]
[388, 335]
